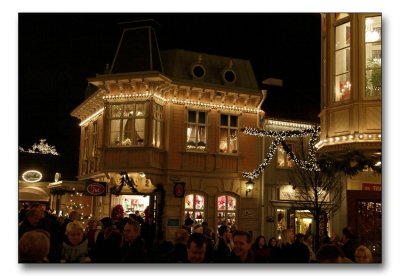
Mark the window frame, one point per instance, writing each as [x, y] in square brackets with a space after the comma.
[121, 120]
[157, 117]
[194, 209]
[226, 211]
[228, 127]
[196, 124]
[286, 157]
[339, 97]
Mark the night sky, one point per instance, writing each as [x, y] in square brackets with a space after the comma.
[58, 52]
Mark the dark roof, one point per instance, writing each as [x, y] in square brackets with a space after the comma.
[178, 65]
[137, 51]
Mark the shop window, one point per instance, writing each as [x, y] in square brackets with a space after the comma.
[227, 210]
[283, 159]
[228, 134]
[342, 62]
[127, 124]
[373, 46]
[196, 139]
[158, 118]
[194, 207]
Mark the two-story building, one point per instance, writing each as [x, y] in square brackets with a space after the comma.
[170, 121]
[351, 113]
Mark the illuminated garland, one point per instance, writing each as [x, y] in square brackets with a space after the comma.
[279, 137]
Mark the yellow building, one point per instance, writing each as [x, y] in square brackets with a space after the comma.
[167, 123]
[351, 113]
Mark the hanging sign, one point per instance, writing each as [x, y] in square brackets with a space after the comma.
[93, 188]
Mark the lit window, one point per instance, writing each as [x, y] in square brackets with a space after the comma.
[157, 125]
[194, 207]
[373, 67]
[127, 124]
[283, 159]
[94, 139]
[228, 134]
[196, 131]
[226, 210]
[342, 62]
[86, 144]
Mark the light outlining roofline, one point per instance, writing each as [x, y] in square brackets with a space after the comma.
[91, 116]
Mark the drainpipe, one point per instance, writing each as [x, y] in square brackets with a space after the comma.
[260, 124]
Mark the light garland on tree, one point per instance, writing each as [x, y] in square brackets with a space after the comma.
[42, 148]
[279, 137]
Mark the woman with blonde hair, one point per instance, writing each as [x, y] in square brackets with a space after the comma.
[363, 255]
[75, 248]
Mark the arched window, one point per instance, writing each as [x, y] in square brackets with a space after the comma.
[194, 207]
[227, 210]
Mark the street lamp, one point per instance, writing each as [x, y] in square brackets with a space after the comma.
[249, 186]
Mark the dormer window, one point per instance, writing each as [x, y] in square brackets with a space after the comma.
[198, 71]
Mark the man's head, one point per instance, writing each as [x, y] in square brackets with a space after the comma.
[223, 231]
[242, 244]
[33, 216]
[131, 230]
[196, 248]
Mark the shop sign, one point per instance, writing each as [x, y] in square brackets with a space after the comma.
[95, 188]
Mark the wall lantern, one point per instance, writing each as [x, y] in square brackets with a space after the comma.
[249, 186]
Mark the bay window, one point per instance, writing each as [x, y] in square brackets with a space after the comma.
[158, 118]
[127, 124]
[373, 67]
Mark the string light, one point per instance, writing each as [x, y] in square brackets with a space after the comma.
[279, 138]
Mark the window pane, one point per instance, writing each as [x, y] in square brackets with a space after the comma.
[342, 61]
[140, 109]
[221, 203]
[373, 45]
[343, 33]
[233, 141]
[234, 121]
[224, 120]
[192, 116]
[116, 111]
[342, 87]
[221, 218]
[139, 130]
[230, 218]
[128, 110]
[115, 131]
[189, 201]
[199, 202]
[231, 203]
[202, 117]
[280, 156]
[223, 140]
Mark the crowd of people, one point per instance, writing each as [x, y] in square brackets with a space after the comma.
[118, 239]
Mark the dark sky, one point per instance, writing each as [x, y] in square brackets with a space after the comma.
[58, 52]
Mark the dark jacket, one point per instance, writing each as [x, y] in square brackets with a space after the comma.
[135, 252]
[222, 252]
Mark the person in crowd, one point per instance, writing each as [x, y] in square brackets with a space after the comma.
[34, 247]
[222, 249]
[260, 250]
[196, 248]
[72, 216]
[90, 232]
[349, 243]
[301, 253]
[363, 255]
[308, 239]
[32, 221]
[330, 253]
[134, 249]
[22, 212]
[274, 251]
[110, 250]
[286, 245]
[138, 217]
[178, 254]
[75, 248]
[241, 251]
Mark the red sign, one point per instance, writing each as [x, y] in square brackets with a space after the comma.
[95, 189]
[371, 187]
